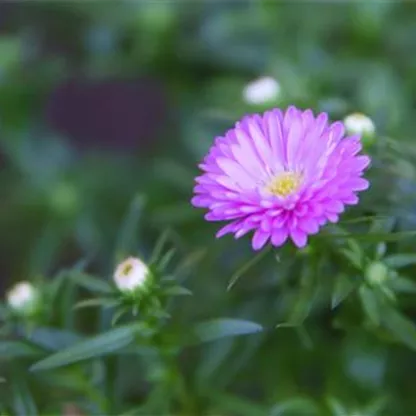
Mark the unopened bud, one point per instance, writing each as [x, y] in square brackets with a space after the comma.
[131, 274]
[377, 273]
[261, 91]
[357, 123]
[23, 298]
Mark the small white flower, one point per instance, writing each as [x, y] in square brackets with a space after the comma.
[23, 297]
[261, 91]
[131, 274]
[357, 123]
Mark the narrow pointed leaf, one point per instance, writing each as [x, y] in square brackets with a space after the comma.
[397, 261]
[166, 259]
[23, 401]
[402, 285]
[220, 328]
[118, 315]
[297, 405]
[127, 238]
[376, 406]
[336, 407]
[343, 286]
[158, 248]
[178, 291]
[103, 344]
[246, 267]
[93, 303]
[371, 304]
[51, 338]
[401, 327]
[17, 349]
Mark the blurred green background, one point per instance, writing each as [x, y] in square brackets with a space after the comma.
[104, 102]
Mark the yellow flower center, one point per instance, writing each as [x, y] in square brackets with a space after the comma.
[285, 183]
[127, 268]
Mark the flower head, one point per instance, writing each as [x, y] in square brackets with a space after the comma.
[282, 175]
[261, 91]
[131, 275]
[23, 298]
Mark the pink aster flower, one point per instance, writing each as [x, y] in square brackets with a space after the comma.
[282, 175]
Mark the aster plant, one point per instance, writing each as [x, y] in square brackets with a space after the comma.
[282, 175]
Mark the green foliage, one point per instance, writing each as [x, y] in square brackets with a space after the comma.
[216, 329]
[104, 344]
[220, 328]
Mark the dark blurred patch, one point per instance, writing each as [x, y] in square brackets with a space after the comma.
[116, 114]
[6, 11]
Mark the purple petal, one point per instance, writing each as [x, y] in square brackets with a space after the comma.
[279, 236]
[299, 238]
[259, 239]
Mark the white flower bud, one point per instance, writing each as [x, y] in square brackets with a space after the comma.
[261, 91]
[357, 123]
[377, 273]
[23, 298]
[131, 274]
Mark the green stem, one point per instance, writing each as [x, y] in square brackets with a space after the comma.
[175, 382]
[111, 384]
[183, 396]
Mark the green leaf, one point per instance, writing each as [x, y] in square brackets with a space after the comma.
[343, 286]
[119, 314]
[376, 406]
[177, 291]
[166, 259]
[247, 266]
[52, 338]
[397, 261]
[158, 248]
[380, 250]
[353, 253]
[295, 407]
[23, 401]
[92, 283]
[402, 285]
[385, 225]
[220, 328]
[399, 326]
[308, 289]
[370, 237]
[127, 237]
[93, 303]
[337, 408]
[98, 346]
[17, 349]
[366, 218]
[371, 304]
